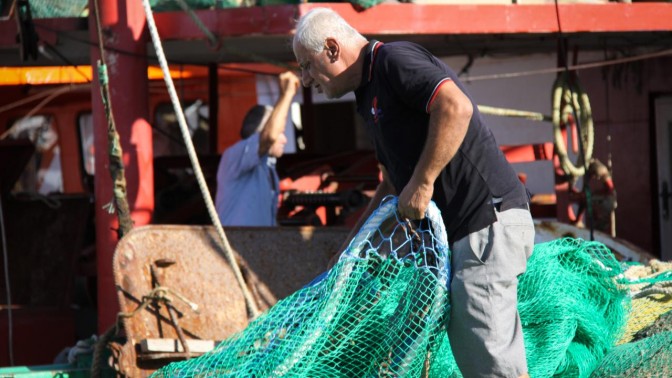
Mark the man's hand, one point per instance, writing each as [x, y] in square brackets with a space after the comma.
[414, 199]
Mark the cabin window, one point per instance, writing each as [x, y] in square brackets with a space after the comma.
[166, 132]
[85, 124]
[42, 173]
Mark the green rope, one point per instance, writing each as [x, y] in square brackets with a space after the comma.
[660, 277]
[115, 154]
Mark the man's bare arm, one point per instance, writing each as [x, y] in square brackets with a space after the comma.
[275, 125]
[449, 118]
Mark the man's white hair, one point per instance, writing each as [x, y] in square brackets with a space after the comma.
[322, 23]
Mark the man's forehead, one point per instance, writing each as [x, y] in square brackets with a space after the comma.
[302, 53]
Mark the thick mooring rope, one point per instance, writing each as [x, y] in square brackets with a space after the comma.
[568, 97]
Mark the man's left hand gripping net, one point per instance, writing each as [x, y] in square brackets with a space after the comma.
[380, 311]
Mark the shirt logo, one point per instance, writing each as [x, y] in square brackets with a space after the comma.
[375, 112]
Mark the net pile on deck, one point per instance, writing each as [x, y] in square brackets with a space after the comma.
[382, 310]
[645, 347]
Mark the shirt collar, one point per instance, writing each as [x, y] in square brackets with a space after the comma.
[369, 60]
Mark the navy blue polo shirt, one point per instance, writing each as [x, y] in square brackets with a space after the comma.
[399, 83]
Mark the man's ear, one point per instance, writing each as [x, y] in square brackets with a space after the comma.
[333, 49]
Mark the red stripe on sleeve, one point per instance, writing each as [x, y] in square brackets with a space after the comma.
[436, 91]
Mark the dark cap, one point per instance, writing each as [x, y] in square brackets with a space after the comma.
[254, 120]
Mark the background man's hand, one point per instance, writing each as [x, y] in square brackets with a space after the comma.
[289, 82]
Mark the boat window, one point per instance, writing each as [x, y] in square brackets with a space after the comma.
[42, 173]
[166, 130]
[85, 124]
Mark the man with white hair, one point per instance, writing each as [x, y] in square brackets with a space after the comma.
[433, 145]
[247, 182]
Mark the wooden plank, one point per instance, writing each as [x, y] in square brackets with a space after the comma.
[174, 345]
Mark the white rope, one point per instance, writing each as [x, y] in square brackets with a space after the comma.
[251, 306]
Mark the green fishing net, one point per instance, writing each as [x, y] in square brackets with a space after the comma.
[59, 8]
[382, 311]
[572, 308]
[645, 347]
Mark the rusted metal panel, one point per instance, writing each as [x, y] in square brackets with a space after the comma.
[275, 262]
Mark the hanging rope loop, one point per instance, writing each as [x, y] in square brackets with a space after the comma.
[571, 107]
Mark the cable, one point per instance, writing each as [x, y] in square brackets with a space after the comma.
[249, 301]
[576, 67]
[583, 155]
[5, 256]
[28, 99]
[211, 37]
[51, 95]
[66, 60]
[612, 214]
[153, 58]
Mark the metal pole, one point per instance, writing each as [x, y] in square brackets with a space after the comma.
[123, 23]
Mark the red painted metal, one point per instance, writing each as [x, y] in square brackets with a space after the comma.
[430, 19]
[505, 19]
[125, 20]
[39, 334]
[269, 20]
[402, 18]
[528, 152]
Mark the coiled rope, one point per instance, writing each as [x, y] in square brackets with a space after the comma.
[571, 105]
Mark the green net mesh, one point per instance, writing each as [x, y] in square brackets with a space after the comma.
[645, 347]
[58, 8]
[172, 5]
[80, 8]
[379, 312]
[382, 310]
[571, 307]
